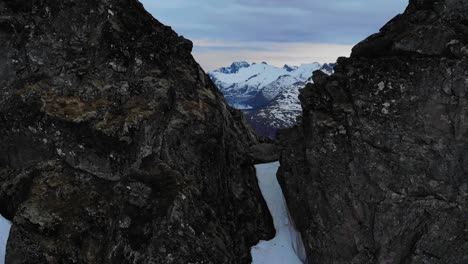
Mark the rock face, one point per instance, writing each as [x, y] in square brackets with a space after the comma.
[115, 147]
[377, 172]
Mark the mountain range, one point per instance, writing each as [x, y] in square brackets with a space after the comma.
[116, 147]
[268, 95]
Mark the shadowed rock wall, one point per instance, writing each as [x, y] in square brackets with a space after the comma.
[378, 170]
[115, 147]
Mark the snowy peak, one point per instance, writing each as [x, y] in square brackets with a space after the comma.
[328, 68]
[245, 81]
[270, 91]
[267, 94]
[234, 68]
[289, 68]
[304, 71]
[242, 79]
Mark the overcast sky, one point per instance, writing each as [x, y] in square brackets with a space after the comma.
[276, 31]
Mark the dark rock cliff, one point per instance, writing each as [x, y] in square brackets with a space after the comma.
[115, 147]
[378, 170]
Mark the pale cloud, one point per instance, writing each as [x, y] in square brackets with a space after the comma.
[275, 31]
[215, 54]
[331, 21]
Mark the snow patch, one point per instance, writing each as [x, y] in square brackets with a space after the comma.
[241, 106]
[287, 246]
[5, 226]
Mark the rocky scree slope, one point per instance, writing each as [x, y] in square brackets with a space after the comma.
[115, 147]
[377, 172]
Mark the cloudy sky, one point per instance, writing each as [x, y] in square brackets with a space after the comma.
[276, 31]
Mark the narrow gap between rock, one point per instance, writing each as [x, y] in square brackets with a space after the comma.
[287, 246]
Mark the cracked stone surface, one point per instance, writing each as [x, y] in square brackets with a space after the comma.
[115, 147]
[377, 172]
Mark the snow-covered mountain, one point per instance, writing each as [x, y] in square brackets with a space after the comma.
[242, 81]
[267, 94]
[281, 112]
[273, 89]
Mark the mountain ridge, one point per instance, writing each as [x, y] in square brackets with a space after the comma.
[245, 87]
[243, 80]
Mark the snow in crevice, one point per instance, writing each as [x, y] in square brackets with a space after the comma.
[5, 226]
[287, 246]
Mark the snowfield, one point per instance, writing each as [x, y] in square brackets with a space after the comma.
[5, 226]
[286, 247]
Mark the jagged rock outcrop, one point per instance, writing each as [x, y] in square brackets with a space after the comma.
[115, 147]
[264, 153]
[377, 172]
